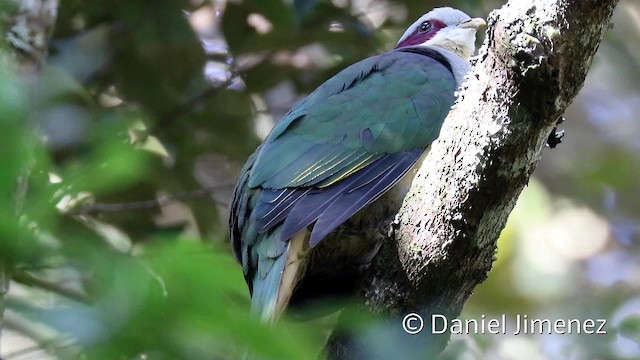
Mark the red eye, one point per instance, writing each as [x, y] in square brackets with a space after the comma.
[423, 32]
[424, 27]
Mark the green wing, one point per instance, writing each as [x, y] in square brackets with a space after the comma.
[385, 104]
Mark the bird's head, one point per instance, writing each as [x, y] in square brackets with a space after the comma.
[446, 28]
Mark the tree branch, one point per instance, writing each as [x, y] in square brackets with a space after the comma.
[29, 279]
[191, 103]
[28, 32]
[236, 71]
[150, 204]
[533, 62]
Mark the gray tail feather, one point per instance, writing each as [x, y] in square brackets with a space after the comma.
[265, 289]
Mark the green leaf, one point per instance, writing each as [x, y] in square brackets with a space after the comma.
[630, 327]
[157, 55]
[240, 35]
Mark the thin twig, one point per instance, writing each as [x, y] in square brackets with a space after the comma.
[45, 341]
[148, 204]
[46, 346]
[28, 279]
[191, 103]
[235, 71]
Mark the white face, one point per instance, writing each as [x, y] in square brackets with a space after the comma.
[447, 28]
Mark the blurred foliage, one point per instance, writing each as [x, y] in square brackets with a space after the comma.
[119, 158]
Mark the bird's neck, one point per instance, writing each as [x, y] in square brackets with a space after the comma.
[459, 66]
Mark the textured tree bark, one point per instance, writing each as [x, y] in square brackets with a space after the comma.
[441, 245]
[27, 33]
[29, 30]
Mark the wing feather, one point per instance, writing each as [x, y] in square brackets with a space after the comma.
[345, 144]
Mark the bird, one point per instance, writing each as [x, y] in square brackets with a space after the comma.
[308, 209]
